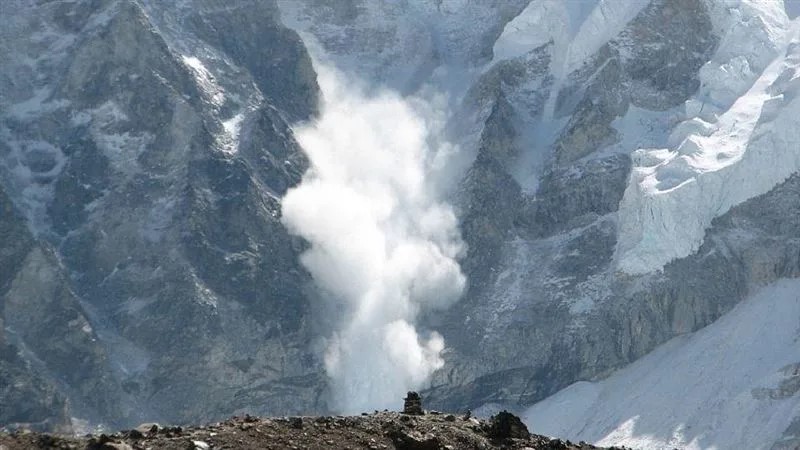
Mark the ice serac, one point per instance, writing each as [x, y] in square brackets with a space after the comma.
[735, 142]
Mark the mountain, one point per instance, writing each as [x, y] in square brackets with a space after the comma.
[156, 280]
[623, 175]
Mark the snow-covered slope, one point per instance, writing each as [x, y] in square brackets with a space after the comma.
[730, 385]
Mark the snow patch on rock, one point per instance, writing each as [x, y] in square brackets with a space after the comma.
[205, 80]
[108, 125]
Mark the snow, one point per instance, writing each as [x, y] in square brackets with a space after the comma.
[371, 157]
[577, 29]
[536, 143]
[735, 147]
[208, 84]
[127, 358]
[529, 277]
[230, 138]
[752, 36]
[716, 388]
[509, 288]
[122, 148]
[390, 43]
[31, 189]
[158, 219]
[401, 45]
[36, 105]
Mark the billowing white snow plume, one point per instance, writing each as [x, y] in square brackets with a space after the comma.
[383, 245]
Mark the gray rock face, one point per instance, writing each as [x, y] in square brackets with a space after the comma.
[156, 281]
[46, 332]
[33, 400]
[580, 193]
[272, 54]
[790, 438]
[400, 44]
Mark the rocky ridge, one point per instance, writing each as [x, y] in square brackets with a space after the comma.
[378, 430]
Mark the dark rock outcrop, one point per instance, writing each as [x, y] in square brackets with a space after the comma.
[505, 425]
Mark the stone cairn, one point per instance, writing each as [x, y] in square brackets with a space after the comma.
[413, 404]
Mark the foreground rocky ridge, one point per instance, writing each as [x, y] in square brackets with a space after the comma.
[379, 430]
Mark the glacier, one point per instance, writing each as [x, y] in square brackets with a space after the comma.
[735, 143]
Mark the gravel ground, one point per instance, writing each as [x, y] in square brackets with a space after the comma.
[380, 430]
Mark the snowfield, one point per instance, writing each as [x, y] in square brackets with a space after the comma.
[727, 386]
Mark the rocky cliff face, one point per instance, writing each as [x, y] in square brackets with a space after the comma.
[146, 273]
[621, 180]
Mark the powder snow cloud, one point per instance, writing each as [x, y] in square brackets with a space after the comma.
[384, 246]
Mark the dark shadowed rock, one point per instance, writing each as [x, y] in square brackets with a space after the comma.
[506, 425]
[412, 440]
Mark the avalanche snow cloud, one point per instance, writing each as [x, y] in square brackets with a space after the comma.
[384, 247]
